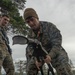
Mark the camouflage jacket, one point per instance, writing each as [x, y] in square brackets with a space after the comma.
[50, 38]
[4, 41]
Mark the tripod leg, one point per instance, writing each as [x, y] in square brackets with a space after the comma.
[51, 69]
[41, 71]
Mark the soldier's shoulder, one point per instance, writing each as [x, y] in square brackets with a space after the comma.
[47, 24]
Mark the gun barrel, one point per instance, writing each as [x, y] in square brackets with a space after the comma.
[33, 40]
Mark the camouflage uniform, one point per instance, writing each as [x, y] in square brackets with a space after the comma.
[51, 40]
[5, 54]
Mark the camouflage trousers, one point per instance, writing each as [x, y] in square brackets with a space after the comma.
[6, 61]
[62, 65]
[64, 69]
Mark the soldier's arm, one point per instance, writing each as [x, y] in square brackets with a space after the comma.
[55, 41]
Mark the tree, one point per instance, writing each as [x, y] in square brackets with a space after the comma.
[20, 3]
[20, 66]
[9, 5]
[12, 8]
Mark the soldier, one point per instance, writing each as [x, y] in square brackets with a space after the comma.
[51, 39]
[5, 51]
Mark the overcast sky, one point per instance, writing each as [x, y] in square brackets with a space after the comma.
[59, 12]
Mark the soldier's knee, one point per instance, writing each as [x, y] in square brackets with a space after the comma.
[64, 70]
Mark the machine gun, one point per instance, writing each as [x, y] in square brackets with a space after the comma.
[18, 39]
[38, 52]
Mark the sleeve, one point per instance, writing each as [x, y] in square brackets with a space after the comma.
[9, 49]
[1, 39]
[55, 40]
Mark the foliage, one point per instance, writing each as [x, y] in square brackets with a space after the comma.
[20, 66]
[12, 8]
[10, 5]
[19, 3]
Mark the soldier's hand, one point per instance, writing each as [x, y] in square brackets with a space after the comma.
[47, 59]
[38, 64]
